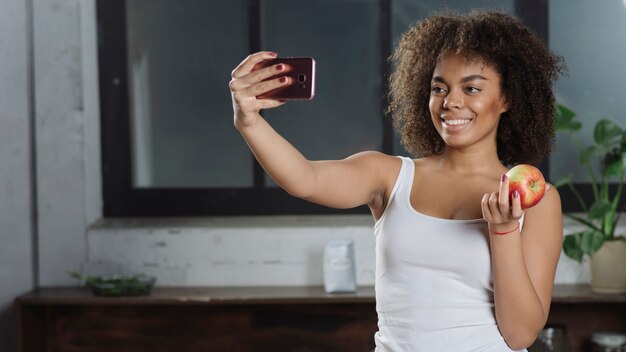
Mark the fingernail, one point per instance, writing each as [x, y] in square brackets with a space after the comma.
[503, 177]
[283, 79]
[280, 67]
[515, 194]
[273, 54]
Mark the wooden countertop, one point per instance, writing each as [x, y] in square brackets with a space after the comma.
[581, 293]
[201, 295]
[578, 293]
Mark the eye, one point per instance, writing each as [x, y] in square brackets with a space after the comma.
[437, 90]
[472, 90]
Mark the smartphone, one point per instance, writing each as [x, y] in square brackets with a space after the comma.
[301, 70]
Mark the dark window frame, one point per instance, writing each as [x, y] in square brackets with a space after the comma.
[122, 200]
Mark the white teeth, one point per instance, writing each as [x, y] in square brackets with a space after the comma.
[457, 122]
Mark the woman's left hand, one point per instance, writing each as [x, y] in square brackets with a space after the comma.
[499, 211]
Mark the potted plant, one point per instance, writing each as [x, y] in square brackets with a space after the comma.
[604, 161]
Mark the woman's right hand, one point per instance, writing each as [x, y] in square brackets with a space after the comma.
[248, 81]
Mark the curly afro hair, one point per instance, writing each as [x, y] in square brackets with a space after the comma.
[526, 67]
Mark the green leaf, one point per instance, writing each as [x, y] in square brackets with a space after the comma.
[563, 181]
[586, 154]
[85, 278]
[599, 209]
[583, 243]
[606, 131]
[572, 249]
[565, 119]
[564, 111]
[590, 242]
[611, 221]
[613, 164]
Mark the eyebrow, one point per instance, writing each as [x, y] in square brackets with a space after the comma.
[463, 80]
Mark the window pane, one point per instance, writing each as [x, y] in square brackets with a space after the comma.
[345, 116]
[180, 54]
[591, 38]
[406, 12]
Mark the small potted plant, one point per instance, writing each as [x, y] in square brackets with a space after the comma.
[604, 161]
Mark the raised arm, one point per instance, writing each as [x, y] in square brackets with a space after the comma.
[347, 183]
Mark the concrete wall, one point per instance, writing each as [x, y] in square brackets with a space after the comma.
[67, 193]
[273, 250]
[50, 187]
[49, 175]
[16, 213]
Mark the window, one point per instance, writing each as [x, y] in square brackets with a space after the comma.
[169, 148]
[586, 36]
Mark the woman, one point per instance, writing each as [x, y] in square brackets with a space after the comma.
[459, 265]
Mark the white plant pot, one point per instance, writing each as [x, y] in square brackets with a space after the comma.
[608, 268]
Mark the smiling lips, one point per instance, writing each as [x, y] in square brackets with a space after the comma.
[455, 121]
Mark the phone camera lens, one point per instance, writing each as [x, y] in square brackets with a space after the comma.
[301, 78]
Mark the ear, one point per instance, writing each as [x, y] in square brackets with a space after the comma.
[505, 104]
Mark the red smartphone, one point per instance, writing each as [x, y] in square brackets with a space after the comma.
[301, 70]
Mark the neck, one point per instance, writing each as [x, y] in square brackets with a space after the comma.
[478, 159]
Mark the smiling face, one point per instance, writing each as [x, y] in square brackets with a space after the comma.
[465, 101]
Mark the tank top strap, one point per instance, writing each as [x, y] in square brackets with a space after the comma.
[404, 181]
[402, 185]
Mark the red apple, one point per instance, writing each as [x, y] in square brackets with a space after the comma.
[529, 182]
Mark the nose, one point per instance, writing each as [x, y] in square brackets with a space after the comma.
[453, 100]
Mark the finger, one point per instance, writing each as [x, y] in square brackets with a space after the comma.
[258, 76]
[547, 187]
[494, 208]
[266, 86]
[248, 63]
[484, 205]
[503, 198]
[516, 207]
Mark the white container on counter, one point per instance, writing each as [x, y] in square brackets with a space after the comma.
[339, 266]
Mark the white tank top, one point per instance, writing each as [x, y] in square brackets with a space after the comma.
[433, 279]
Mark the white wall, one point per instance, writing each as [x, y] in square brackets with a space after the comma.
[16, 215]
[63, 126]
[241, 251]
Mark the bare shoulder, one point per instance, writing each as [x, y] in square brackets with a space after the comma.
[546, 216]
[425, 167]
[424, 163]
[385, 170]
[549, 204]
[372, 155]
[376, 161]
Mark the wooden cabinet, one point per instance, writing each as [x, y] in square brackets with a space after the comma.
[247, 319]
[198, 319]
